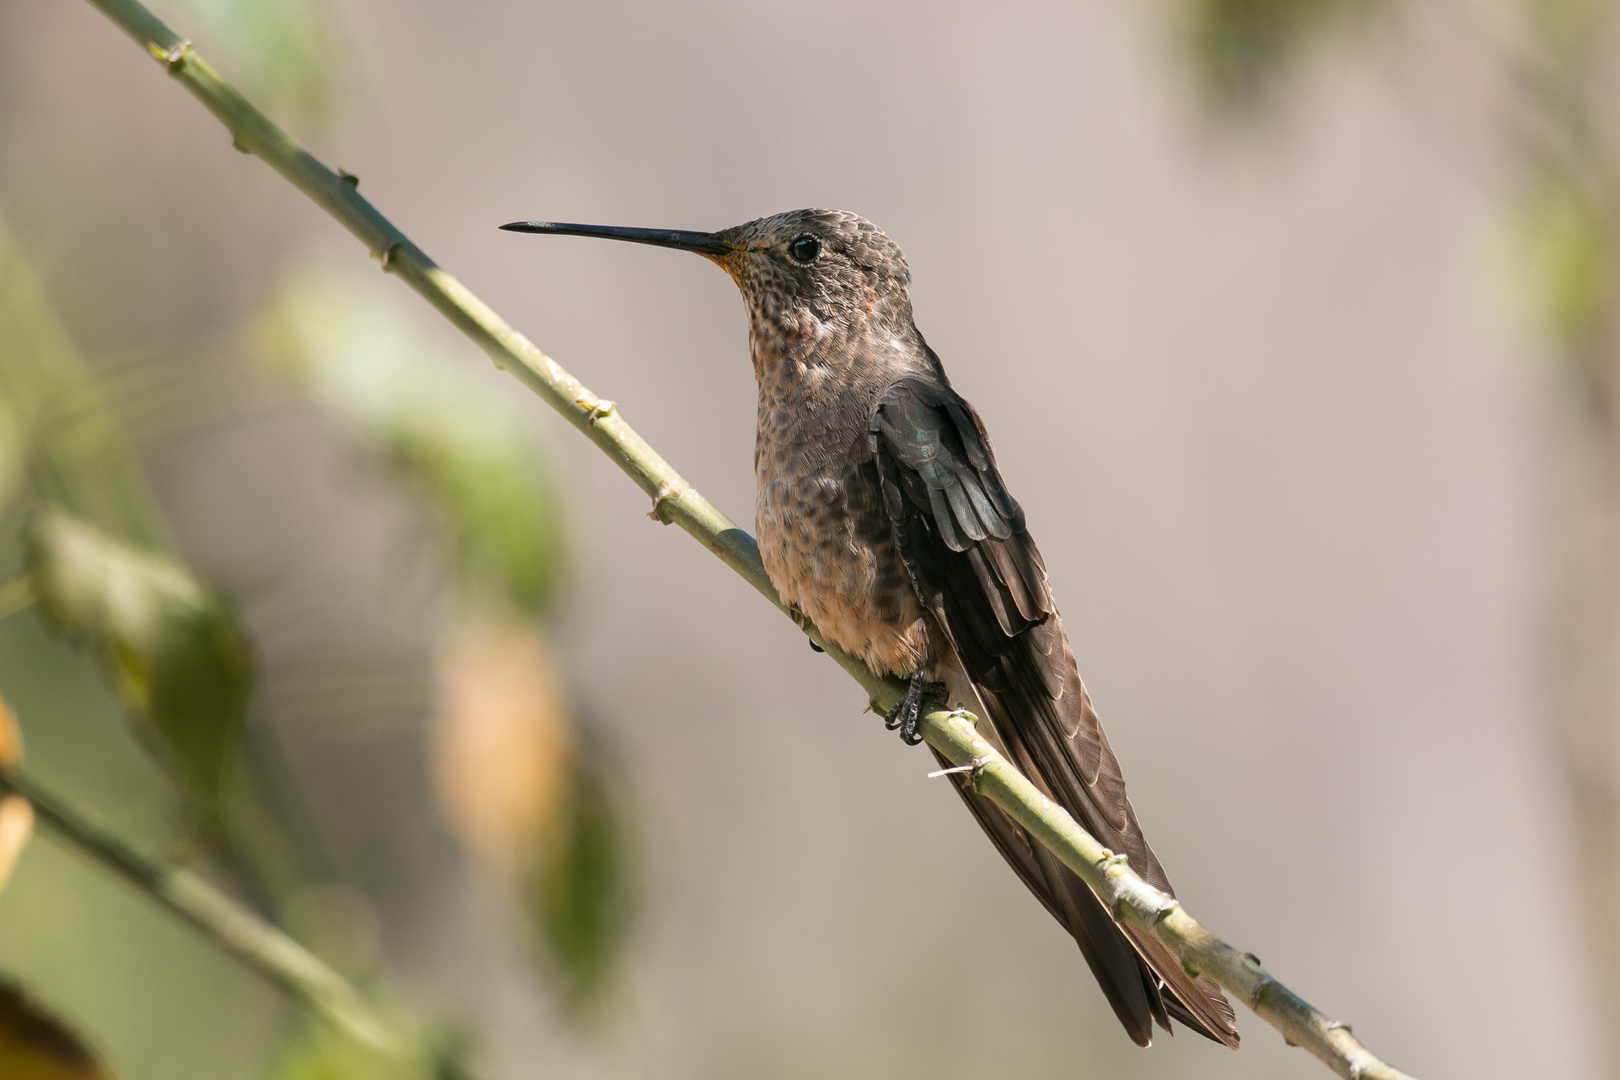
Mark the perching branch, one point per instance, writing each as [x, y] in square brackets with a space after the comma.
[236, 929]
[674, 501]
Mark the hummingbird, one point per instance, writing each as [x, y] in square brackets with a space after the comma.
[881, 516]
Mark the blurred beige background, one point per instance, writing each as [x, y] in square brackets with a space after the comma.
[1277, 435]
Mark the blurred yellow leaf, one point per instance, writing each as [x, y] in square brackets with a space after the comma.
[34, 1046]
[536, 801]
[504, 739]
[16, 813]
[16, 826]
[11, 747]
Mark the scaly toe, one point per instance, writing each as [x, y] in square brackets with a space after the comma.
[908, 730]
[891, 719]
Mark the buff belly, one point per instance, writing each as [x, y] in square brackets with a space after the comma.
[827, 549]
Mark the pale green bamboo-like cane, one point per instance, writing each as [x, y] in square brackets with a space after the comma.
[675, 502]
[238, 930]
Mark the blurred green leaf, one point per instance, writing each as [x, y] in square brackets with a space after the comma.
[322, 1056]
[452, 431]
[1568, 258]
[171, 646]
[319, 1053]
[291, 51]
[1240, 49]
[54, 417]
[580, 886]
[11, 448]
[35, 1046]
[1568, 25]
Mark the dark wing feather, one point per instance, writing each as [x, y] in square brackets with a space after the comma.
[962, 537]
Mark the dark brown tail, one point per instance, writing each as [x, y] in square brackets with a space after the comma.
[1058, 742]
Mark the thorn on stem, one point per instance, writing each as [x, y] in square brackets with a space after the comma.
[239, 146]
[387, 255]
[175, 59]
[666, 491]
[974, 767]
[598, 408]
[347, 177]
[1253, 959]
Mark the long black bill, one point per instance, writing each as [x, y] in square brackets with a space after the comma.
[700, 242]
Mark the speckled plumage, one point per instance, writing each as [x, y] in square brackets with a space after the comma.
[881, 515]
[824, 347]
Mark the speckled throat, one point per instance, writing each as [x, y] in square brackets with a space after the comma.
[818, 513]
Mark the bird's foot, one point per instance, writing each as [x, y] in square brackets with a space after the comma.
[908, 710]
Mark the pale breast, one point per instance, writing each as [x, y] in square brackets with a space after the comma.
[824, 538]
[823, 532]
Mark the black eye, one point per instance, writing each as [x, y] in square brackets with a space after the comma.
[805, 249]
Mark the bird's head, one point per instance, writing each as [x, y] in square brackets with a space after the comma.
[806, 274]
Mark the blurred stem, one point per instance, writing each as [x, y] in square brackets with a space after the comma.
[15, 595]
[1582, 670]
[1574, 140]
[81, 460]
[1584, 665]
[228, 923]
[674, 501]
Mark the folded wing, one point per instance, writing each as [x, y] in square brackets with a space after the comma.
[979, 573]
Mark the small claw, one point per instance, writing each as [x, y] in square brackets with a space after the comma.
[907, 712]
[908, 730]
[891, 719]
[895, 716]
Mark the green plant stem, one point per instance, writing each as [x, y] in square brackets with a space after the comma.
[675, 502]
[236, 929]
